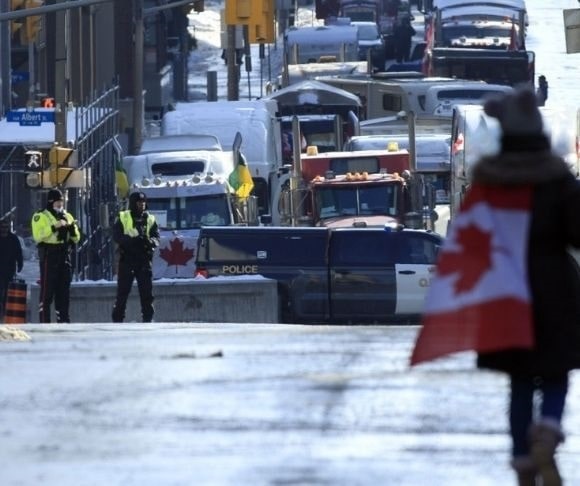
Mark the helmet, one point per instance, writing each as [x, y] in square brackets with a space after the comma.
[134, 198]
[53, 196]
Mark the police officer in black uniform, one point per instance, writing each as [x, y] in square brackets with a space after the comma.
[137, 235]
[10, 260]
[55, 232]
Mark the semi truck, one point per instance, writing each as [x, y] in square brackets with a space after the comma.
[256, 121]
[185, 179]
[474, 135]
[460, 44]
[366, 188]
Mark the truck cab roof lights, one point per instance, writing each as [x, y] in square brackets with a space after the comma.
[393, 225]
[196, 179]
[157, 181]
[145, 182]
[357, 176]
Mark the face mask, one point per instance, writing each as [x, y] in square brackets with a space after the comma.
[59, 210]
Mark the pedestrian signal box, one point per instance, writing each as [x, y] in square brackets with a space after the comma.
[33, 161]
[47, 103]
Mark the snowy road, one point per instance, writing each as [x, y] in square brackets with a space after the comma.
[284, 405]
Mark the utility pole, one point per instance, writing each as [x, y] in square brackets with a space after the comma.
[62, 75]
[138, 39]
[233, 70]
[5, 68]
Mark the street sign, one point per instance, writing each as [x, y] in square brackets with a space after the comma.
[30, 118]
[572, 30]
[20, 76]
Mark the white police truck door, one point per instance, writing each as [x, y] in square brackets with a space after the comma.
[416, 258]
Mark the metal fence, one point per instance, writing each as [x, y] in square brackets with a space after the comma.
[97, 125]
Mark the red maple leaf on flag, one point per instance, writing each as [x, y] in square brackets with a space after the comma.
[176, 254]
[471, 262]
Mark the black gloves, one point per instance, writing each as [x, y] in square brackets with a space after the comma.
[62, 233]
[142, 243]
[147, 244]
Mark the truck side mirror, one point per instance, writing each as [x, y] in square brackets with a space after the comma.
[430, 196]
[413, 220]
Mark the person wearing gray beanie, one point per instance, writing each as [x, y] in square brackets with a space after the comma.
[507, 287]
[525, 160]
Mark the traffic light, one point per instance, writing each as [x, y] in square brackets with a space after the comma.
[258, 15]
[62, 161]
[34, 167]
[33, 161]
[33, 23]
[238, 12]
[16, 25]
[261, 29]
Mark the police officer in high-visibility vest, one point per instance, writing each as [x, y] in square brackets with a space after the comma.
[137, 234]
[55, 232]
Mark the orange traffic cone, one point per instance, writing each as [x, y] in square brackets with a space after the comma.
[15, 311]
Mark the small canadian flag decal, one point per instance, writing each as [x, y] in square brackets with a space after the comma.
[176, 253]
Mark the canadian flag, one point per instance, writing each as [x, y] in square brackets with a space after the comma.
[480, 299]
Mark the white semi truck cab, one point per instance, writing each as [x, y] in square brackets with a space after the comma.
[186, 189]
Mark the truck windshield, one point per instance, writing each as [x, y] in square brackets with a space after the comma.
[355, 200]
[188, 213]
[509, 71]
[452, 33]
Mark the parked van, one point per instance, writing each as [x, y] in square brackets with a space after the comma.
[345, 275]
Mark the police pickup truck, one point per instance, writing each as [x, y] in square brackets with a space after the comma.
[340, 275]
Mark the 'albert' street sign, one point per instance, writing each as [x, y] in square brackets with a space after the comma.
[30, 118]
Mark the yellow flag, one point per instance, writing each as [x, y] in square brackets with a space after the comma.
[241, 178]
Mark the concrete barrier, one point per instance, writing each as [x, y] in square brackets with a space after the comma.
[228, 299]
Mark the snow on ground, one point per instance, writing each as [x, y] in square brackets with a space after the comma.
[206, 28]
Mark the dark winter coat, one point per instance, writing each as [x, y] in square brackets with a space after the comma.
[403, 35]
[10, 256]
[137, 250]
[553, 274]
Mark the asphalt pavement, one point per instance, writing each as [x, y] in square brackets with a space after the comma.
[251, 404]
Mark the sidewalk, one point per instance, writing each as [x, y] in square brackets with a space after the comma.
[251, 405]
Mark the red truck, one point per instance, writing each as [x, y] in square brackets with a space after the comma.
[366, 188]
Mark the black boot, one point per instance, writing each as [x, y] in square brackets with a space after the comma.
[544, 439]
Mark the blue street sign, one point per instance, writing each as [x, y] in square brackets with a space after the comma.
[20, 76]
[30, 118]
